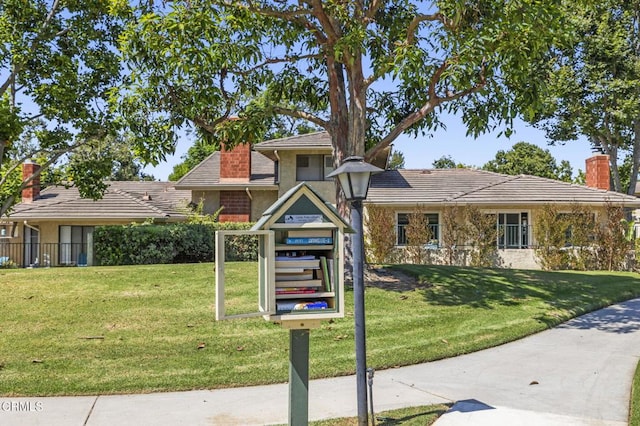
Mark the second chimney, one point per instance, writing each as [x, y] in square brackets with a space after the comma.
[235, 164]
[32, 191]
[598, 174]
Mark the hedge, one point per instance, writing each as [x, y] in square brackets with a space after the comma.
[137, 244]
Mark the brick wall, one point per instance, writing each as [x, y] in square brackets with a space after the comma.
[235, 165]
[237, 206]
[32, 191]
[597, 173]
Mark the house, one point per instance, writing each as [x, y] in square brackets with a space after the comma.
[247, 180]
[514, 201]
[241, 183]
[54, 227]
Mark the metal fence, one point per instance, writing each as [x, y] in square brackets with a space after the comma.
[27, 255]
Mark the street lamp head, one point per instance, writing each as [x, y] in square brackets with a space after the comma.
[354, 175]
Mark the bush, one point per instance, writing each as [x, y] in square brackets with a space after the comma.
[174, 243]
[381, 234]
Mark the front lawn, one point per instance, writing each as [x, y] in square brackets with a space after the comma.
[102, 330]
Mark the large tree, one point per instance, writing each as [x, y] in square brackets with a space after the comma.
[365, 71]
[57, 61]
[529, 159]
[596, 86]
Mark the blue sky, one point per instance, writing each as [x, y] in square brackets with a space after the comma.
[420, 153]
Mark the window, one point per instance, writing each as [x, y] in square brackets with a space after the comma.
[403, 220]
[513, 230]
[313, 167]
[73, 244]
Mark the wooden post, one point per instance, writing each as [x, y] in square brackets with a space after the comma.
[298, 377]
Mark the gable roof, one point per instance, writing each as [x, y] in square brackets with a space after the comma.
[276, 210]
[469, 186]
[122, 201]
[206, 175]
[308, 141]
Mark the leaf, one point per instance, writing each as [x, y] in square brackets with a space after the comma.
[201, 345]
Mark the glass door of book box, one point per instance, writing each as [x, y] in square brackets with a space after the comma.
[305, 270]
[237, 295]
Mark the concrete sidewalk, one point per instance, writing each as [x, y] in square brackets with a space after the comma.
[579, 373]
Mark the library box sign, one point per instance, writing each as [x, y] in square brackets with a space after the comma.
[296, 278]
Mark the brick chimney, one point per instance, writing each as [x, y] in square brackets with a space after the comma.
[32, 191]
[235, 164]
[598, 174]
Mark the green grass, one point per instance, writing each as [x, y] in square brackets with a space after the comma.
[411, 416]
[634, 406]
[104, 330]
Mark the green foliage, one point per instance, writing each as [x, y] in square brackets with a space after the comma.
[529, 159]
[453, 233]
[380, 238]
[582, 227]
[482, 234]
[418, 235]
[202, 62]
[594, 86]
[634, 410]
[396, 161]
[550, 229]
[612, 245]
[176, 243]
[59, 58]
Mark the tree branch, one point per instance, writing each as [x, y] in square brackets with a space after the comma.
[302, 115]
[415, 22]
[427, 108]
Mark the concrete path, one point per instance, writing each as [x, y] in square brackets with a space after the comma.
[579, 373]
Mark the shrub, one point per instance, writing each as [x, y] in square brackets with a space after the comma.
[551, 235]
[418, 235]
[173, 243]
[452, 234]
[381, 235]
[482, 235]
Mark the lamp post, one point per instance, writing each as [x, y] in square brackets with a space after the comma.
[354, 176]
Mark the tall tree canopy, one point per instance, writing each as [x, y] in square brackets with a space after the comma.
[57, 61]
[364, 70]
[528, 159]
[596, 86]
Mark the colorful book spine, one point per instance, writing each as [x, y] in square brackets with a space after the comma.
[326, 273]
[309, 240]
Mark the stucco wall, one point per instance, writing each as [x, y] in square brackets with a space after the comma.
[326, 189]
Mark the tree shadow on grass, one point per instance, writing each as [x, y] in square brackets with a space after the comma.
[413, 418]
[486, 288]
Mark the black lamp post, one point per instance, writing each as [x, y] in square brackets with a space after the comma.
[354, 176]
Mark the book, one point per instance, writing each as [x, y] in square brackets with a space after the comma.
[301, 283]
[309, 240]
[285, 258]
[326, 273]
[308, 233]
[283, 262]
[283, 275]
[296, 290]
[300, 305]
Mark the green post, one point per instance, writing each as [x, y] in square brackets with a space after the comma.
[298, 377]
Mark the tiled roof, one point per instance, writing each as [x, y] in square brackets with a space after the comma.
[122, 201]
[317, 140]
[468, 186]
[206, 175]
